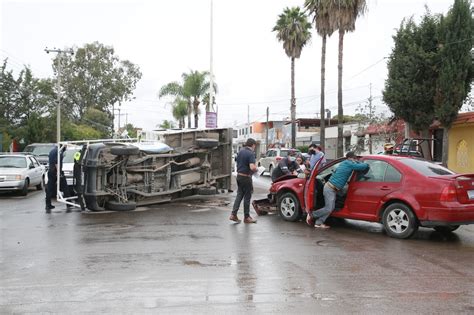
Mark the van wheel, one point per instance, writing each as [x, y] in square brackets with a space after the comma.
[120, 206]
[207, 143]
[446, 228]
[399, 221]
[289, 207]
[124, 150]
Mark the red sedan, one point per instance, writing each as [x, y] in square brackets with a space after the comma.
[402, 193]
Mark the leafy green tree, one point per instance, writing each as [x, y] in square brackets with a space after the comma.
[167, 124]
[95, 77]
[293, 29]
[99, 120]
[72, 131]
[455, 69]
[345, 14]
[131, 130]
[412, 72]
[8, 95]
[321, 10]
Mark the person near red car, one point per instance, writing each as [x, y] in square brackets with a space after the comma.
[335, 183]
[286, 166]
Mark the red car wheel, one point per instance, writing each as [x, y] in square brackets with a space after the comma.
[399, 221]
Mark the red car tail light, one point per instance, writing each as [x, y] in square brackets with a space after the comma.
[449, 193]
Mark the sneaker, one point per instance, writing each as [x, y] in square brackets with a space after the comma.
[249, 220]
[233, 217]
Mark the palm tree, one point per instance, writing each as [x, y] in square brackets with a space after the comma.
[177, 89]
[345, 14]
[293, 29]
[320, 9]
[196, 84]
[180, 110]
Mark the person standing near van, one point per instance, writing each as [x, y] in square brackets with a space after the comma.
[246, 166]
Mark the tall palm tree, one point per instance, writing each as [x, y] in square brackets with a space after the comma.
[345, 14]
[180, 110]
[177, 89]
[293, 29]
[320, 10]
[196, 84]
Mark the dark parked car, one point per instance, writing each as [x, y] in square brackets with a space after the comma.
[41, 151]
[400, 192]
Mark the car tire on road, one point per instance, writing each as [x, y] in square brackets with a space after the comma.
[289, 207]
[120, 206]
[124, 150]
[446, 228]
[24, 190]
[40, 185]
[399, 221]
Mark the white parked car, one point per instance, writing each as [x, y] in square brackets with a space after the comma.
[273, 157]
[19, 172]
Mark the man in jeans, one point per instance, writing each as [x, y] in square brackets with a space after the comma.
[335, 183]
[245, 168]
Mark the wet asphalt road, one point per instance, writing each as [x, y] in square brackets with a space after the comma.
[186, 257]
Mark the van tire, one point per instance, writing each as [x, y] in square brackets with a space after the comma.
[124, 150]
[120, 206]
[207, 143]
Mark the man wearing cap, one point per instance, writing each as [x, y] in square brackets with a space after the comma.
[286, 166]
[336, 182]
[388, 149]
[246, 166]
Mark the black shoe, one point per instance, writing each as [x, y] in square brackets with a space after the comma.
[48, 208]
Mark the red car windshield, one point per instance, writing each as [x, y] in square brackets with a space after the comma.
[427, 168]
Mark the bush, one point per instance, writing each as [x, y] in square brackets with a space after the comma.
[303, 148]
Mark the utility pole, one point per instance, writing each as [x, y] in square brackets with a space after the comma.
[59, 54]
[371, 114]
[266, 133]
[211, 70]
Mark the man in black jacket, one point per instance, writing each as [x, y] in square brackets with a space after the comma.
[246, 166]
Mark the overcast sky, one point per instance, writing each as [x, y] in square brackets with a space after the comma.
[166, 38]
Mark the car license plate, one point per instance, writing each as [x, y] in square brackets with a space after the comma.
[470, 194]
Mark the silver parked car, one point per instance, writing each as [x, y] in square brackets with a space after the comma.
[273, 157]
[18, 172]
